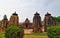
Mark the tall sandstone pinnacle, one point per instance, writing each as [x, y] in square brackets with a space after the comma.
[14, 20]
[3, 23]
[37, 22]
[48, 21]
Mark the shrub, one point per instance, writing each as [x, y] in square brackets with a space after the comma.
[14, 32]
[54, 32]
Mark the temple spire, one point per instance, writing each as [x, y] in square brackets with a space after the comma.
[36, 13]
[5, 17]
[47, 14]
[15, 13]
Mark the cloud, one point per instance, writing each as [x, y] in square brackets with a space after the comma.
[48, 2]
[27, 8]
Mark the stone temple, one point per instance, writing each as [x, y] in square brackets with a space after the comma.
[37, 25]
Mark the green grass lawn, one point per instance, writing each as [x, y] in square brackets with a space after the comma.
[40, 34]
[34, 35]
[2, 35]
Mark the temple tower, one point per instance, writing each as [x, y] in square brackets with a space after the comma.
[48, 21]
[4, 23]
[37, 22]
[14, 20]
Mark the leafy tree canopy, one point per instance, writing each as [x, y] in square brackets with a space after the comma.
[14, 28]
[57, 18]
[54, 32]
[13, 32]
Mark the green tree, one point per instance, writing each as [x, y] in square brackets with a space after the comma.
[56, 18]
[54, 32]
[14, 32]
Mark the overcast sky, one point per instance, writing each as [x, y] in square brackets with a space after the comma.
[27, 8]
